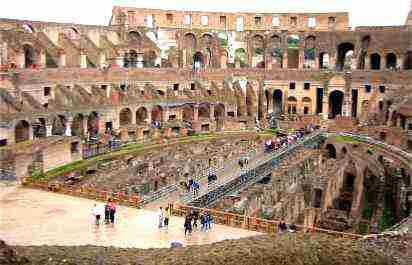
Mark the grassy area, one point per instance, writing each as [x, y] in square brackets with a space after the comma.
[345, 139]
[134, 148]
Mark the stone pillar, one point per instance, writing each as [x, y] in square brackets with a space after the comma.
[354, 63]
[69, 123]
[84, 125]
[42, 61]
[367, 63]
[139, 134]
[325, 106]
[119, 61]
[196, 113]
[49, 128]
[133, 116]
[102, 59]
[212, 112]
[62, 60]
[317, 61]
[149, 116]
[139, 61]
[285, 60]
[301, 58]
[21, 60]
[184, 58]
[399, 63]
[83, 60]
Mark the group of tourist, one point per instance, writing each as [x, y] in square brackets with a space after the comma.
[283, 141]
[164, 217]
[107, 210]
[283, 227]
[191, 220]
[192, 186]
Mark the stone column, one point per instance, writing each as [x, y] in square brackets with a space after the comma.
[133, 116]
[212, 112]
[102, 59]
[139, 61]
[301, 58]
[62, 60]
[399, 63]
[285, 60]
[317, 61]
[270, 102]
[119, 61]
[42, 61]
[149, 116]
[196, 113]
[69, 123]
[83, 60]
[84, 125]
[367, 63]
[21, 60]
[325, 105]
[49, 128]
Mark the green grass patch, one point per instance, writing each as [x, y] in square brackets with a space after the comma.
[345, 139]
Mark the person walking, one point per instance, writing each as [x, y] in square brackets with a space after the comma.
[195, 216]
[188, 224]
[209, 220]
[203, 222]
[113, 208]
[161, 217]
[107, 213]
[97, 212]
[167, 215]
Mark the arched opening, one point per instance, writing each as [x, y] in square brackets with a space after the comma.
[204, 111]
[345, 54]
[293, 43]
[39, 128]
[188, 113]
[258, 52]
[125, 117]
[149, 59]
[331, 151]
[276, 52]
[93, 124]
[277, 101]
[408, 61]
[349, 184]
[141, 115]
[307, 105]
[219, 111]
[29, 56]
[310, 53]
[240, 58]
[78, 125]
[157, 114]
[135, 39]
[364, 52]
[22, 131]
[130, 59]
[292, 105]
[335, 103]
[189, 48]
[391, 61]
[375, 61]
[59, 125]
[317, 202]
[344, 150]
[324, 60]
[198, 60]
[207, 40]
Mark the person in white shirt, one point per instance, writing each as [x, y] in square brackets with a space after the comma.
[97, 211]
[161, 215]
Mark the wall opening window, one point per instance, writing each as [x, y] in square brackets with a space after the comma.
[169, 18]
[331, 21]
[294, 21]
[175, 87]
[312, 22]
[187, 19]
[275, 21]
[74, 147]
[368, 88]
[149, 21]
[172, 117]
[47, 91]
[222, 21]
[306, 86]
[204, 20]
[192, 86]
[240, 24]
[382, 89]
[292, 85]
[258, 21]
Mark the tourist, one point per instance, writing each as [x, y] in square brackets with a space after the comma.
[167, 217]
[203, 221]
[188, 224]
[112, 206]
[107, 212]
[161, 215]
[97, 212]
[282, 226]
[292, 228]
[196, 188]
[209, 220]
[195, 216]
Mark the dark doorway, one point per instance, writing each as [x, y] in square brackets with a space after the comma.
[277, 101]
[408, 61]
[331, 151]
[319, 100]
[375, 61]
[293, 58]
[29, 56]
[318, 198]
[345, 53]
[198, 59]
[391, 61]
[354, 103]
[335, 103]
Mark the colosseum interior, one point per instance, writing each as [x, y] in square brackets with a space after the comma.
[80, 103]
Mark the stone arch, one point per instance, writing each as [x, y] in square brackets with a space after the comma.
[277, 101]
[125, 117]
[335, 103]
[407, 65]
[324, 60]
[135, 39]
[30, 56]
[364, 52]
[331, 151]
[375, 61]
[204, 111]
[293, 42]
[59, 125]
[130, 59]
[307, 105]
[141, 115]
[258, 51]
[189, 47]
[292, 105]
[93, 123]
[310, 52]
[344, 57]
[39, 128]
[188, 113]
[391, 61]
[22, 131]
[78, 125]
[157, 113]
[149, 59]
[198, 59]
[276, 53]
[220, 111]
